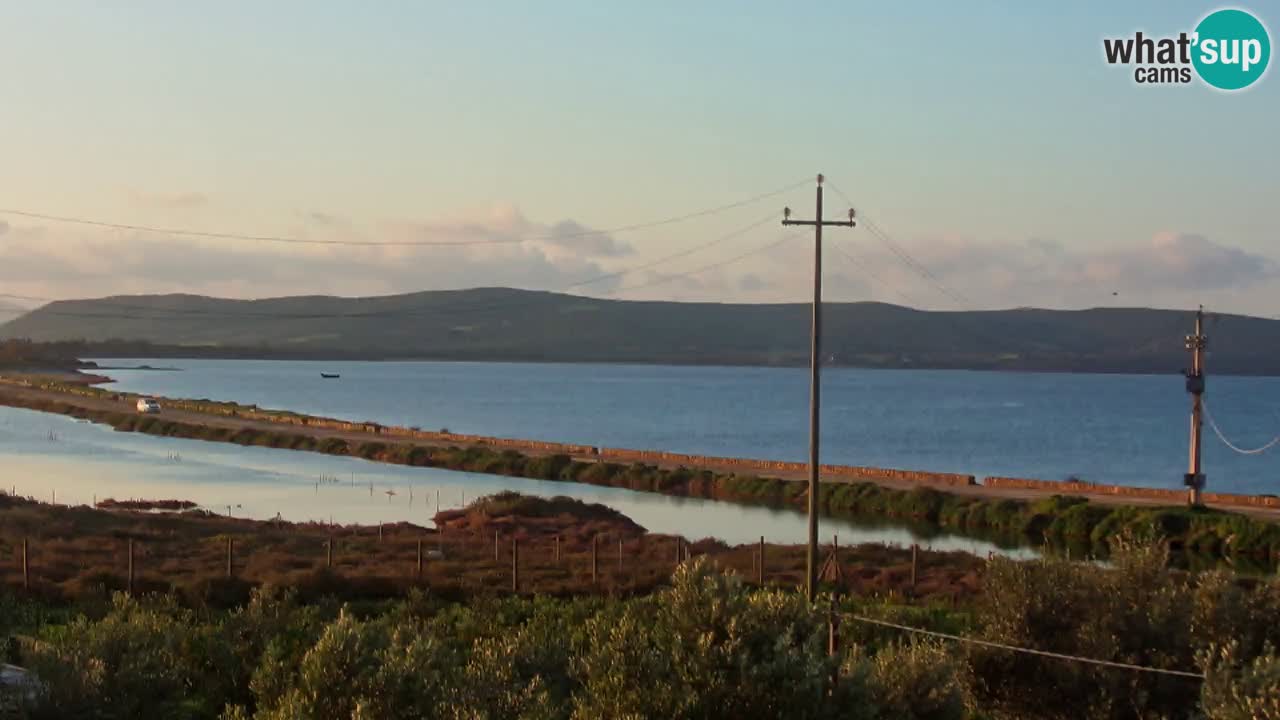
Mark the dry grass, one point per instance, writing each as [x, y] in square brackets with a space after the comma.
[75, 553]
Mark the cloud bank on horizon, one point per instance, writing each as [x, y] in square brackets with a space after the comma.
[48, 260]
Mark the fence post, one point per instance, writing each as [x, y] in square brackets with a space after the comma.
[419, 558]
[379, 532]
[496, 557]
[557, 550]
[595, 559]
[760, 569]
[515, 565]
[619, 555]
[833, 645]
[915, 563]
[130, 551]
[679, 550]
[26, 568]
[328, 553]
[231, 549]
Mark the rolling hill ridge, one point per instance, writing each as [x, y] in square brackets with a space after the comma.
[503, 324]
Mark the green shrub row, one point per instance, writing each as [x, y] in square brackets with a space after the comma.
[705, 648]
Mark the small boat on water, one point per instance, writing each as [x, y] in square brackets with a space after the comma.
[329, 376]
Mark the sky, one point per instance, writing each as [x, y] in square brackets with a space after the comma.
[989, 141]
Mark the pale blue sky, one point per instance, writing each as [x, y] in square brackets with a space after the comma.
[967, 130]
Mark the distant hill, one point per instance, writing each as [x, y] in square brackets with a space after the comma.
[518, 325]
[10, 311]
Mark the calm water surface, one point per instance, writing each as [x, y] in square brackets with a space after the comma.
[44, 454]
[1124, 429]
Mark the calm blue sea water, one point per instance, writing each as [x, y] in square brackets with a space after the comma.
[1125, 429]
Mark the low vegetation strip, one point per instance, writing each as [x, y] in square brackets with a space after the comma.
[705, 645]
[1057, 520]
[562, 546]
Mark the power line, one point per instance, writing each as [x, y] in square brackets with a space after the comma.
[673, 256]
[713, 266]
[1028, 651]
[397, 243]
[1221, 436]
[905, 257]
[161, 313]
[914, 264]
[859, 266]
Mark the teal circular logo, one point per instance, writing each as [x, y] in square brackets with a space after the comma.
[1232, 49]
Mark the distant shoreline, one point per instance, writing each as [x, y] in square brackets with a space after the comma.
[138, 367]
[655, 363]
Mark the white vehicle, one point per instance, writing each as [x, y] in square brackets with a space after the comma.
[148, 405]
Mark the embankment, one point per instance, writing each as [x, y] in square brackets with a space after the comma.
[1133, 493]
[1054, 518]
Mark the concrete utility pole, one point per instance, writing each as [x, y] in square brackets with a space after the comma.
[1196, 343]
[815, 385]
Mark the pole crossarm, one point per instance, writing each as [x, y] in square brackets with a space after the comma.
[827, 223]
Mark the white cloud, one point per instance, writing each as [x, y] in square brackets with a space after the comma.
[69, 261]
[1169, 269]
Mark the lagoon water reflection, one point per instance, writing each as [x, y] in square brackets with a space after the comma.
[42, 454]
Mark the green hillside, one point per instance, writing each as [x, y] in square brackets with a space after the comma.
[505, 324]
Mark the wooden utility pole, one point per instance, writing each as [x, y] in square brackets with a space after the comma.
[1196, 343]
[815, 381]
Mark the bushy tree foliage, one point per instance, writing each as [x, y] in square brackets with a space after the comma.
[706, 647]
